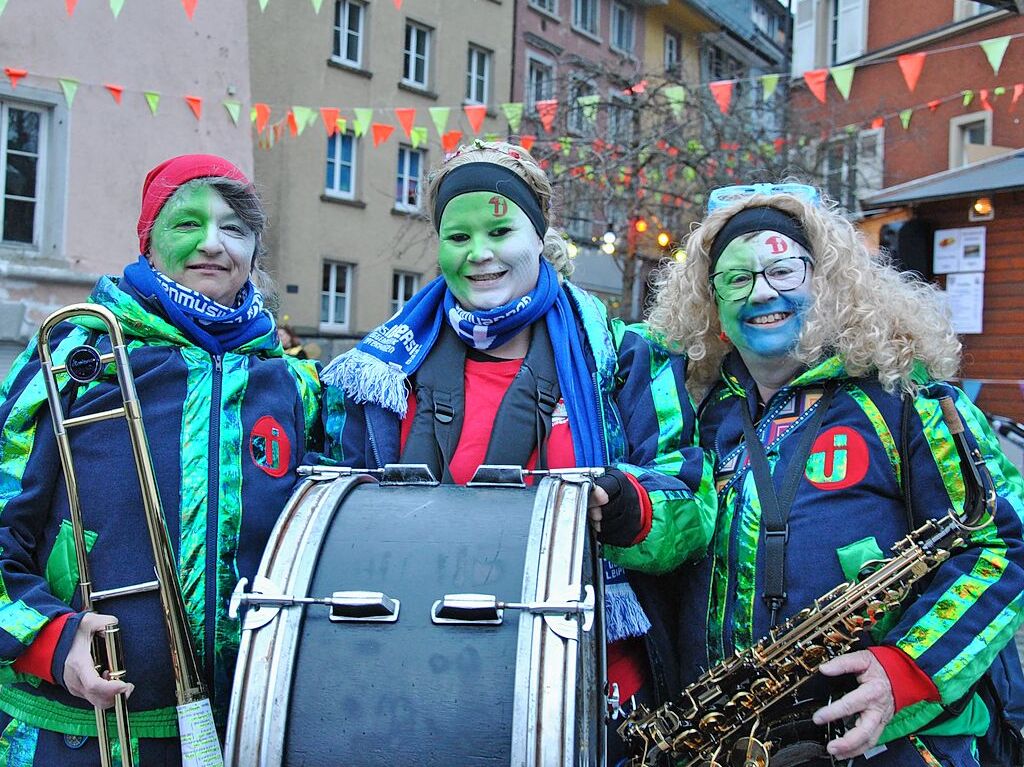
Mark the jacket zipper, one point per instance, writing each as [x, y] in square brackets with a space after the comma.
[212, 509]
[603, 431]
[373, 444]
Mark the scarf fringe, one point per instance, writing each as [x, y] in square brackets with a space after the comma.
[366, 378]
[624, 617]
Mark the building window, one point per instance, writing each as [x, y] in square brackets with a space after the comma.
[478, 74]
[966, 9]
[853, 166]
[22, 170]
[763, 19]
[722, 66]
[341, 166]
[334, 298]
[623, 19]
[407, 188]
[577, 121]
[417, 55]
[673, 51]
[540, 82]
[965, 131]
[620, 118]
[550, 6]
[348, 32]
[403, 287]
[828, 32]
[584, 16]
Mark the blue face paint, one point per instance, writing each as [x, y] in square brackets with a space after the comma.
[767, 324]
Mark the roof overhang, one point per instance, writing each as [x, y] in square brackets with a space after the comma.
[1004, 173]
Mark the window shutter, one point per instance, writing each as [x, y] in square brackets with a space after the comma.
[804, 36]
[852, 33]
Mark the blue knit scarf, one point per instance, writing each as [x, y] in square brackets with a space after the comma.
[210, 325]
[377, 369]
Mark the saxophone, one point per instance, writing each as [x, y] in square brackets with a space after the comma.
[719, 720]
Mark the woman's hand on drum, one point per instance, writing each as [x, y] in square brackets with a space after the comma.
[871, 703]
[614, 508]
[80, 676]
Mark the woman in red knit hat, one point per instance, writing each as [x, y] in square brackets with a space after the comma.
[227, 414]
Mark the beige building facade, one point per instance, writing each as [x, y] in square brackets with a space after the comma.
[70, 178]
[350, 241]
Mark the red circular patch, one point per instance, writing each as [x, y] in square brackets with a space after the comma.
[838, 459]
[270, 447]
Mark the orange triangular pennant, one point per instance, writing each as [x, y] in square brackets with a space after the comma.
[475, 113]
[330, 117]
[14, 75]
[406, 118]
[934, 104]
[381, 131]
[293, 124]
[69, 6]
[196, 105]
[546, 110]
[398, 4]
[1018, 90]
[722, 92]
[816, 80]
[262, 112]
[190, 7]
[983, 96]
[911, 65]
[115, 91]
[877, 123]
[450, 140]
[526, 142]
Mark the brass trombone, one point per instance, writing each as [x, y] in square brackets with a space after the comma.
[84, 364]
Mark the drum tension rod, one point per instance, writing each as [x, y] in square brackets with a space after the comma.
[265, 601]
[488, 610]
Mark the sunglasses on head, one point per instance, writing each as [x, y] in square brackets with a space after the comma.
[725, 196]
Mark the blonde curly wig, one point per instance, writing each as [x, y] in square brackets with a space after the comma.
[879, 320]
[521, 162]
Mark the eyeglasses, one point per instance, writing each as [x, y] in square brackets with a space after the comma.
[727, 195]
[784, 275]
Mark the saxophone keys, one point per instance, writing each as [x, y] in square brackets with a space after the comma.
[749, 752]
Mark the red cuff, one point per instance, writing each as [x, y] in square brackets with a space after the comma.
[909, 683]
[646, 512]
[37, 660]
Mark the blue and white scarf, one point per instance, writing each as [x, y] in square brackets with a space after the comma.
[209, 324]
[377, 369]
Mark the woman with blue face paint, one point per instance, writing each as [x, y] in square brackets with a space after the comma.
[829, 363]
[501, 307]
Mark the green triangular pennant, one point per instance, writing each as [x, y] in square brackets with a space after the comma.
[493, 137]
[364, 116]
[514, 114]
[905, 116]
[3, 4]
[994, 50]
[153, 99]
[440, 117]
[968, 97]
[418, 136]
[263, 5]
[316, 5]
[588, 106]
[116, 6]
[303, 117]
[234, 109]
[676, 96]
[999, 90]
[342, 124]
[768, 85]
[843, 78]
[68, 85]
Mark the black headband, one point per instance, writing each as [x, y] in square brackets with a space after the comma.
[489, 177]
[760, 219]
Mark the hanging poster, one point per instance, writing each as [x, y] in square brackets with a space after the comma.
[959, 250]
[965, 294]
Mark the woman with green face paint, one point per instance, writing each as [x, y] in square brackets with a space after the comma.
[500, 321]
[227, 415]
[830, 364]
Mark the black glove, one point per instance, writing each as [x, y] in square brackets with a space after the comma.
[620, 517]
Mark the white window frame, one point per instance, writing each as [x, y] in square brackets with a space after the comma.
[332, 322]
[403, 176]
[413, 33]
[533, 60]
[549, 7]
[344, 9]
[595, 14]
[334, 191]
[474, 78]
[619, 12]
[957, 145]
[968, 9]
[38, 198]
[398, 288]
[676, 39]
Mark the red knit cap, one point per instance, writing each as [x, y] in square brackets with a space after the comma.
[168, 176]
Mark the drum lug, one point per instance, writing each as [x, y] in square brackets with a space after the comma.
[567, 624]
[564, 617]
[363, 607]
[501, 475]
[265, 601]
[393, 474]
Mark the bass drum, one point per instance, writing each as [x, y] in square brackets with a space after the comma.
[389, 672]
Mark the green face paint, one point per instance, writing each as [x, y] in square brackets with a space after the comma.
[200, 242]
[490, 252]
